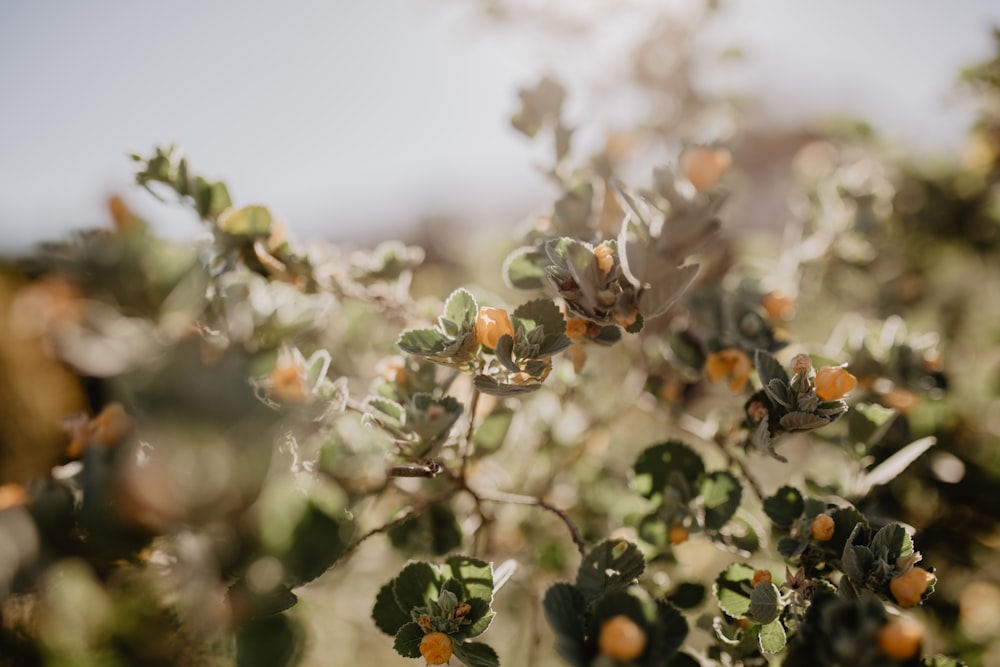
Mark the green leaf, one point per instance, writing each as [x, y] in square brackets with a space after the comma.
[785, 506]
[608, 335]
[247, 221]
[564, 610]
[721, 493]
[802, 421]
[491, 433]
[493, 387]
[636, 326]
[272, 641]
[461, 307]
[656, 298]
[213, 198]
[844, 521]
[668, 634]
[386, 407]
[317, 542]
[688, 595]
[768, 368]
[857, 562]
[891, 542]
[687, 349]
[764, 604]
[415, 584]
[523, 268]
[476, 576]
[422, 341]
[504, 352]
[730, 589]
[388, 617]
[664, 464]
[541, 313]
[474, 654]
[435, 531]
[772, 637]
[408, 640]
[611, 566]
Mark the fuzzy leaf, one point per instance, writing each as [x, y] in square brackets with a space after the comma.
[423, 341]
[474, 654]
[492, 386]
[476, 576]
[857, 562]
[415, 584]
[247, 221]
[611, 566]
[541, 313]
[729, 589]
[688, 595]
[802, 421]
[461, 307]
[779, 392]
[656, 298]
[504, 352]
[721, 493]
[388, 617]
[772, 637]
[408, 640]
[660, 465]
[522, 269]
[386, 407]
[891, 542]
[785, 506]
[669, 631]
[272, 641]
[564, 610]
[491, 433]
[764, 604]
[768, 368]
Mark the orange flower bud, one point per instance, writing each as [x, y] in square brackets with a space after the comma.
[801, 363]
[392, 369]
[778, 306]
[909, 587]
[900, 638]
[822, 528]
[834, 382]
[760, 577]
[703, 166]
[678, 534]
[729, 362]
[621, 639]
[436, 648]
[287, 384]
[605, 258]
[576, 329]
[625, 321]
[491, 323]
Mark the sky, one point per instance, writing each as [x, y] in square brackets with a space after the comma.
[353, 119]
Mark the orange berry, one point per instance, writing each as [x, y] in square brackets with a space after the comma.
[703, 166]
[491, 323]
[900, 638]
[910, 586]
[760, 577]
[576, 329]
[605, 258]
[822, 528]
[678, 534]
[436, 648]
[621, 639]
[834, 382]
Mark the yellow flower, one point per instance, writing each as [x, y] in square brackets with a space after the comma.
[491, 323]
[605, 258]
[833, 382]
[621, 639]
[703, 166]
[436, 648]
[729, 362]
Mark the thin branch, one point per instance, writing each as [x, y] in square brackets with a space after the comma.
[518, 499]
[466, 444]
[411, 512]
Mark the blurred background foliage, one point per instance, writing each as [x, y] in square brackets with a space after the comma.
[188, 468]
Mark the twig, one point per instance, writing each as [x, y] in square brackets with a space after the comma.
[518, 499]
[466, 444]
[412, 511]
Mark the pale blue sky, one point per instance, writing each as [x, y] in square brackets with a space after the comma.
[356, 116]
